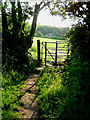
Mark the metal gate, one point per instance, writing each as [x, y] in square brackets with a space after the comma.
[53, 52]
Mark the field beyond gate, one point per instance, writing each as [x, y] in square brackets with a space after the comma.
[51, 51]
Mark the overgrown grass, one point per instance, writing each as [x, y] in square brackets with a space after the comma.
[12, 82]
[77, 80]
[52, 92]
[65, 96]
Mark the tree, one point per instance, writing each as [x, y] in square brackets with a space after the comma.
[77, 9]
[15, 39]
[50, 31]
[38, 7]
[80, 34]
[57, 7]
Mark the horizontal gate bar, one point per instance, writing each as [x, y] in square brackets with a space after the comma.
[54, 61]
[62, 49]
[50, 55]
[62, 52]
[61, 55]
[51, 48]
[55, 42]
[53, 53]
[49, 42]
[60, 42]
[49, 58]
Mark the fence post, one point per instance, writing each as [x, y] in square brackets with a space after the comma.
[56, 53]
[68, 50]
[42, 50]
[38, 50]
[45, 52]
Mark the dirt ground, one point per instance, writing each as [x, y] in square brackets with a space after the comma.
[29, 109]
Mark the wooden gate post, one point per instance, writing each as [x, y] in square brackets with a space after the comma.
[45, 52]
[68, 50]
[42, 50]
[38, 50]
[56, 53]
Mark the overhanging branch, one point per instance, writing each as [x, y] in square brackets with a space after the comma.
[45, 4]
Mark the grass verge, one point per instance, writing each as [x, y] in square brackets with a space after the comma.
[65, 96]
[12, 83]
[52, 94]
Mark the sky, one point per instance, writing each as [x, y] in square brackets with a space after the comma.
[45, 18]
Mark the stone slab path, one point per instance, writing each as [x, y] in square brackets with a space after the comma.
[29, 110]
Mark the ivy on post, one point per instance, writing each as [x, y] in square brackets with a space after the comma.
[38, 50]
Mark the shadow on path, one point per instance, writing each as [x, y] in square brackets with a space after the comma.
[29, 110]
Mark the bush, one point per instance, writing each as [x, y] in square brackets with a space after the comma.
[80, 40]
[65, 97]
[77, 85]
[15, 51]
[77, 76]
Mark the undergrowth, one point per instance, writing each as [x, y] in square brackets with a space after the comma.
[65, 96]
[77, 85]
[12, 83]
[51, 94]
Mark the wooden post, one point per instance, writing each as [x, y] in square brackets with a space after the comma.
[68, 51]
[45, 52]
[42, 50]
[38, 50]
[56, 53]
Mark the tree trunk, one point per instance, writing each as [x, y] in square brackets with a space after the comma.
[19, 16]
[34, 23]
[4, 19]
[14, 20]
[4, 24]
